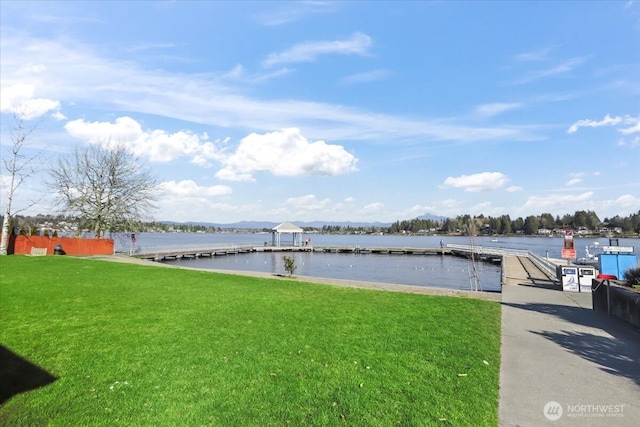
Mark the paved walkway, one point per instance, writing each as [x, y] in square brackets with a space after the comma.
[556, 349]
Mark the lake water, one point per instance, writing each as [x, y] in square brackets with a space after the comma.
[417, 270]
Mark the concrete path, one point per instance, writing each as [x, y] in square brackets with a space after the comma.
[583, 367]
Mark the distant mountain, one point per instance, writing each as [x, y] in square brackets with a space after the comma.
[432, 217]
[258, 225]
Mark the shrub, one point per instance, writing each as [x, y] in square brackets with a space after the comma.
[289, 265]
[632, 277]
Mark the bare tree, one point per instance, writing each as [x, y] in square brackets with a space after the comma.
[108, 188]
[19, 168]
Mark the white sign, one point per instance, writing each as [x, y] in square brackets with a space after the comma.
[618, 249]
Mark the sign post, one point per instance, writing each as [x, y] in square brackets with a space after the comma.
[569, 251]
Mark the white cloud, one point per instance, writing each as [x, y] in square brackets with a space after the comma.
[607, 121]
[187, 201]
[483, 208]
[358, 44]
[633, 129]
[623, 205]
[633, 142]
[628, 201]
[188, 188]
[573, 181]
[372, 208]
[285, 153]
[513, 189]
[416, 211]
[632, 122]
[20, 99]
[308, 203]
[490, 110]
[157, 145]
[484, 181]
[451, 203]
[124, 130]
[557, 203]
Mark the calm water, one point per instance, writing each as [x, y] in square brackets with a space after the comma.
[418, 270]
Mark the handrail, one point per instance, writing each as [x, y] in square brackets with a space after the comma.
[548, 267]
[490, 250]
[544, 264]
[204, 248]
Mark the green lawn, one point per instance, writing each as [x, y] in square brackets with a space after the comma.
[141, 345]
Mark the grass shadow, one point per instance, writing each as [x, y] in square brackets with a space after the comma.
[18, 375]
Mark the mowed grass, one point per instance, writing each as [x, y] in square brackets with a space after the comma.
[142, 345]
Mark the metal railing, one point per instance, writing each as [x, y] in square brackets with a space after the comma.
[201, 248]
[548, 267]
[488, 250]
[543, 264]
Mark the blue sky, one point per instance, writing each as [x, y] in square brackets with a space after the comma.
[337, 111]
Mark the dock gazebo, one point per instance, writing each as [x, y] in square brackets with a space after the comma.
[286, 228]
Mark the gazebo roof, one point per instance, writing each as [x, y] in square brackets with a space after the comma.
[287, 227]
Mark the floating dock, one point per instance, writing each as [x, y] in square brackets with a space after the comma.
[161, 254]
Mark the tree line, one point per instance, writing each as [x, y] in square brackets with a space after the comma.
[461, 225]
[502, 225]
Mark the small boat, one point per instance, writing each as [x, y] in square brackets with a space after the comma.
[494, 240]
[592, 253]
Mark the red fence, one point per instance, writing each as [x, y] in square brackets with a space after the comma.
[70, 245]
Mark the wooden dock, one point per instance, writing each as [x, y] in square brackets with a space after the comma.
[382, 250]
[161, 254]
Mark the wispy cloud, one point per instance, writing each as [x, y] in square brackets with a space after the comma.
[490, 110]
[358, 44]
[632, 122]
[296, 11]
[366, 77]
[150, 46]
[75, 73]
[557, 70]
[557, 202]
[536, 55]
